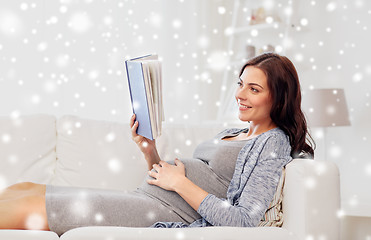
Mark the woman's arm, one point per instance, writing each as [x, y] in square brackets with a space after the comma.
[146, 146]
[258, 170]
[250, 206]
[172, 178]
[253, 185]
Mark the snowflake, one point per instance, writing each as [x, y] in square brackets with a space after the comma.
[35, 99]
[226, 204]
[357, 77]
[63, 9]
[180, 235]
[80, 22]
[368, 169]
[80, 208]
[254, 32]
[62, 60]
[108, 20]
[310, 183]
[330, 110]
[335, 151]
[203, 42]
[3, 183]
[340, 213]
[15, 114]
[12, 159]
[331, 6]
[6, 138]
[151, 215]
[42, 46]
[99, 217]
[217, 60]
[114, 165]
[35, 222]
[221, 10]
[177, 23]
[52, 20]
[10, 23]
[24, 6]
[49, 86]
[304, 22]
[309, 237]
[299, 57]
[93, 74]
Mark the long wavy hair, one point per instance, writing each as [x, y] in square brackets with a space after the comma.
[286, 113]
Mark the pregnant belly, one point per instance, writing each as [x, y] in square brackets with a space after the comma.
[200, 174]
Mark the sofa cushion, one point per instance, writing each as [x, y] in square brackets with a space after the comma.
[27, 146]
[27, 235]
[97, 154]
[215, 233]
[273, 217]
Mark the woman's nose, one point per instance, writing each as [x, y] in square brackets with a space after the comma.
[240, 94]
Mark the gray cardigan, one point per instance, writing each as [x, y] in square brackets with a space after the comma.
[251, 190]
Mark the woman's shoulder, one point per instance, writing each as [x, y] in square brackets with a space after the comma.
[276, 134]
[275, 143]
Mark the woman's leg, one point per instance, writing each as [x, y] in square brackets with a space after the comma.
[22, 206]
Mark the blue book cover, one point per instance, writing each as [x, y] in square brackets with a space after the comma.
[138, 95]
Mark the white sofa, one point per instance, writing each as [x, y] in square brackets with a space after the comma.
[90, 153]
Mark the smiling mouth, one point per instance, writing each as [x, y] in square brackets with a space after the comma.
[243, 106]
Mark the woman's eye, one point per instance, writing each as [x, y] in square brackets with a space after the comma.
[239, 84]
[254, 89]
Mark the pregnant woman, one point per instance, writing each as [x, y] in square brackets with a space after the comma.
[229, 181]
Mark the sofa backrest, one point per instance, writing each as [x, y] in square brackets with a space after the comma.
[27, 149]
[74, 151]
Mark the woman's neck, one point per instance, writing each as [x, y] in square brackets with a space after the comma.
[257, 129]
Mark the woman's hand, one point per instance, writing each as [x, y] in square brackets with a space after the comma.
[148, 147]
[167, 176]
[145, 145]
[172, 178]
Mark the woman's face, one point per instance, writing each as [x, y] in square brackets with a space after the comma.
[253, 96]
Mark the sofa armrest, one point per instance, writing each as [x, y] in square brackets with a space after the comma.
[311, 199]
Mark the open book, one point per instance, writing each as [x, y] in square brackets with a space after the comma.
[145, 86]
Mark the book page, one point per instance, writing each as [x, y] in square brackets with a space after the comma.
[154, 70]
[148, 85]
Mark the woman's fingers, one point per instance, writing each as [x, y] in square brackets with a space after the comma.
[156, 167]
[134, 127]
[163, 163]
[153, 174]
[151, 181]
[132, 120]
[178, 162]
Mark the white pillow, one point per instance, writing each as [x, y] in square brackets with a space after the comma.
[27, 149]
[97, 154]
[101, 154]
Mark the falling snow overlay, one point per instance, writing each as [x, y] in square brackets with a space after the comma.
[66, 58]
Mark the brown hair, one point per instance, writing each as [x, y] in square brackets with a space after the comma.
[286, 113]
